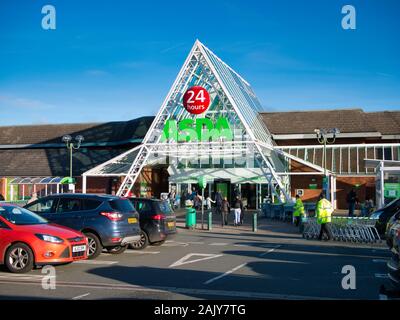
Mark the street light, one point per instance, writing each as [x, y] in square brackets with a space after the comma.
[67, 139]
[326, 136]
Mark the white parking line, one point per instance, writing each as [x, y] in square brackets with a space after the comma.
[142, 252]
[196, 242]
[238, 267]
[381, 275]
[269, 251]
[81, 296]
[168, 290]
[218, 244]
[225, 274]
[96, 262]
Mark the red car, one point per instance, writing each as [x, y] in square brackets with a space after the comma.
[28, 240]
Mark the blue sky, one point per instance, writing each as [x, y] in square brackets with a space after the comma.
[115, 60]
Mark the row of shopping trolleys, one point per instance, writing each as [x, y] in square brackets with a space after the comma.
[351, 229]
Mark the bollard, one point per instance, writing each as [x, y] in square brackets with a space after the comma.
[209, 221]
[255, 222]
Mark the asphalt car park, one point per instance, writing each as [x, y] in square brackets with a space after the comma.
[229, 263]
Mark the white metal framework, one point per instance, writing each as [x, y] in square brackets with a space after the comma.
[346, 159]
[231, 97]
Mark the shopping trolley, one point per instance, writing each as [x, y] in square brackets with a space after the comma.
[349, 229]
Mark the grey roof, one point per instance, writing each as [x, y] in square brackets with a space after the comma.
[118, 132]
[347, 120]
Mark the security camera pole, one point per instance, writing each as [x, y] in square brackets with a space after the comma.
[71, 146]
[326, 136]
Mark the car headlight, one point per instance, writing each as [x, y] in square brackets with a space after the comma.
[48, 238]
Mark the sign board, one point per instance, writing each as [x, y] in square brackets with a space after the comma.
[196, 100]
[202, 182]
[313, 186]
[392, 190]
[300, 192]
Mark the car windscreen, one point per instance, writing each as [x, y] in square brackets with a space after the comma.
[20, 216]
[122, 205]
[165, 207]
[391, 203]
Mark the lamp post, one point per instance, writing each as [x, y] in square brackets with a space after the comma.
[72, 146]
[326, 136]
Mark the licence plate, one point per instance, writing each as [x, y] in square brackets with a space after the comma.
[132, 220]
[78, 248]
[171, 224]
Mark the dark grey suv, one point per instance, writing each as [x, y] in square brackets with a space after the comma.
[108, 222]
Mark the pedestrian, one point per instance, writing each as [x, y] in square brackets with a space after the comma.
[218, 202]
[323, 213]
[237, 207]
[351, 201]
[298, 210]
[33, 197]
[209, 203]
[226, 208]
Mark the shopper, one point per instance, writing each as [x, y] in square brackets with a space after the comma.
[237, 207]
[226, 208]
[323, 213]
[298, 210]
[218, 202]
[209, 203]
[351, 201]
[33, 197]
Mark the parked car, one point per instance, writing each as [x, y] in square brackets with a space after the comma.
[391, 229]
[384, 214]
[107, 221]
[28, 240]
[394, 262]
[157, 221]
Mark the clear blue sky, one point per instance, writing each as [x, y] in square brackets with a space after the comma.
[115, 60]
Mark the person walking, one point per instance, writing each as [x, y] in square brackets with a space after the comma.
[218, 202]
[351, 201]
[225, 211]
[237, 207]
[323, 213]
[209, 203]
[298, 210]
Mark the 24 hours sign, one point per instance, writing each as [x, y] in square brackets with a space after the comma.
[196, 100]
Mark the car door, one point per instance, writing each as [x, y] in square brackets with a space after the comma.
[45, 207]
[69, 213]
[5, 238]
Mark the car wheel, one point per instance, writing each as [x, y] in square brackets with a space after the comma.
[19, 258]
[142, 243]
[116, 249]
[94, 246]
[158, 243]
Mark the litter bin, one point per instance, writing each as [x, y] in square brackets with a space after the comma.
[190, 218]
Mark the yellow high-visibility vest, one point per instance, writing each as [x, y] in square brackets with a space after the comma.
[298, 208]
[324, 211]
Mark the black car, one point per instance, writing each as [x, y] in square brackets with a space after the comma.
[384, 214]
[394, 263]
[391, 229]
[108, 222]
[157, 221]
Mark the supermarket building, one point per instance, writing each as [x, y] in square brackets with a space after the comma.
[132, 156]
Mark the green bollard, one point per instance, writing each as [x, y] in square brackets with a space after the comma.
[255, 222]
[210, 221]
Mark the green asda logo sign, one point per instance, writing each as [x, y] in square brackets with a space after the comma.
[197, 130]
